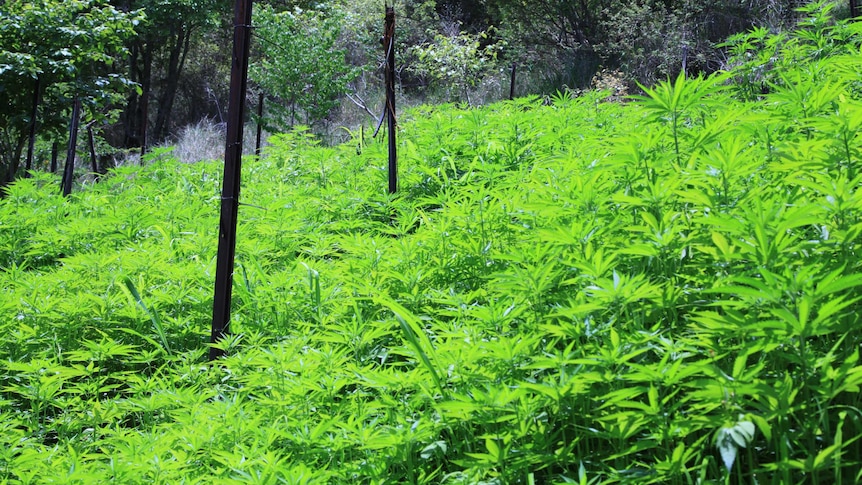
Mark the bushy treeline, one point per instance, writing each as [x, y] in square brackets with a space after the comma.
[146, 68]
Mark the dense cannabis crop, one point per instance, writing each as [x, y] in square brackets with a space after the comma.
[568, 291]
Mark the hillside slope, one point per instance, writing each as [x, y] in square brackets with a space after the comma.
[563, 291]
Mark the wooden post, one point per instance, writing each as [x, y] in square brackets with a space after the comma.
[33, 116]
[145, 102]
[389, 73]
[512, 81]
[259, 124]
[231, 180]
[69, 169]
[854, 9]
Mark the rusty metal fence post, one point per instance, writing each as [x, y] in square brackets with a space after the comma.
[389, 74]
[512, 80]
[231, 180]
[260, 100]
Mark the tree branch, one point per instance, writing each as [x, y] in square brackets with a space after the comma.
[358, 101]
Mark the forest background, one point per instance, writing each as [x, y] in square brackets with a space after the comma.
[146, 70]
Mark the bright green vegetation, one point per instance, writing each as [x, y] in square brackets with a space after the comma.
[300, 66]
[563, 291]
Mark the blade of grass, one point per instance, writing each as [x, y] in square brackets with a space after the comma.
[415, 336]
[154, 317]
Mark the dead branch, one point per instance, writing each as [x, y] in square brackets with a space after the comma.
[358, 101]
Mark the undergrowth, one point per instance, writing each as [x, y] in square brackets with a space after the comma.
[573, 291]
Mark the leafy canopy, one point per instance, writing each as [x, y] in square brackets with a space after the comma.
[70, 47]
[458, 61]
[300, 67]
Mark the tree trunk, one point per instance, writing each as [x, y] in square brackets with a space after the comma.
[55, 152]
[14, 161]
[172, 81]
[91, 142]
[259, 133]
[130, 112]
[34, 114]
[512, 81]
[69, 170]
[146, 86]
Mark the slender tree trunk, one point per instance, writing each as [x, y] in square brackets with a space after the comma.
[91, 142]
[69, 170]
[512, 81]
[172, 82]
[55, 152]
[34, 114]
[146, 86]
[130, 112]
[14, 161]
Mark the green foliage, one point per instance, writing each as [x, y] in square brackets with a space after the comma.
[300, 69]
[760, 60]
[648, 40]
[564, 291]
[362, 28]
[681, 102]
[70, 48]
[458, 62]
[181, 56]
[653, 40]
